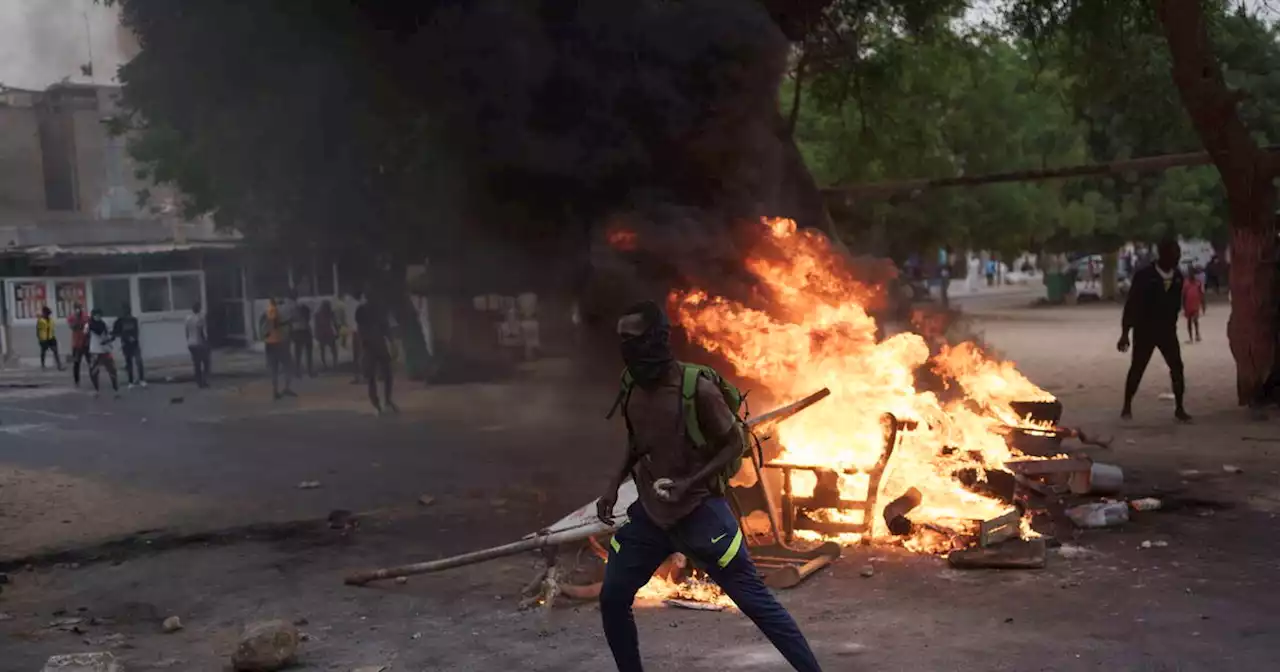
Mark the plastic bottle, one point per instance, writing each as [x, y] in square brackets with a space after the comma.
[1101, 514]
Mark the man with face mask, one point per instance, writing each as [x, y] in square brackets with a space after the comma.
[1151, 313]
[680, 507]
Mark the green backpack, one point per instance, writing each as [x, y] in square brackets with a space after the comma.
[690, 373]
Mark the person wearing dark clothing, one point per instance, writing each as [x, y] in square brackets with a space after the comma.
[326, 330]
[375, 351]
[127, 331]
[47, 337]
[1151, 313]
[680, 505]
[300, 333]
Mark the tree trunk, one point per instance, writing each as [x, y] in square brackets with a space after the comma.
[1250, 329]
[1247, 174]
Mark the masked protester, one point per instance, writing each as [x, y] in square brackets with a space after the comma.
[681, 505]
[1151, 313]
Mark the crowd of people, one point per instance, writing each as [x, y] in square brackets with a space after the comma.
[289, 328]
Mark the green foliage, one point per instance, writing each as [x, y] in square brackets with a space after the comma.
[957, 100]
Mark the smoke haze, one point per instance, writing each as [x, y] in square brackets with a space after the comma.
[43, 41]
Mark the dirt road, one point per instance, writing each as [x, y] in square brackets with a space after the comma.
[500, 462]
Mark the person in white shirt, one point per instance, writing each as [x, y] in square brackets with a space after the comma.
[100, 351]
[198, 345]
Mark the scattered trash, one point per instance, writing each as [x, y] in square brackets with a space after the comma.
[1155, 544]
[1130, 442]
[1098, 479]
[1166, 396]
[167, 663]
[1189, 473]
[102, 661]
[266, 647]
[1100, 514]
[692, 605]
[172, 624]
[177, 400]
[115, 640]
[402, 580]
[308, 485]
[1232, 469]
[497, 502]
[416, 635]
[1146, 504]
[301, 622]
[64, 623]
[5, 617]
[868, 572]
[426, 500]
[371, 668]
[144, 420]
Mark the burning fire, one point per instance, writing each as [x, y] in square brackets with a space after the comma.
[815, 333]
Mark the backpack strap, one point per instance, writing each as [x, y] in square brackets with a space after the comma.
[689, 402]
[624, 393]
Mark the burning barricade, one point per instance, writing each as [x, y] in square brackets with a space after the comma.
[959, 466]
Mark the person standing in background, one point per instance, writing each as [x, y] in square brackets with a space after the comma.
[1151, 313]
[326, 330]
[78, 322]
[375, 336]
[198, 345]
[99, 348]
[1193, 305]
[274, 328]
[47, 336]
[352, 304]
[127, 331]
[991, 272]
[974, 270]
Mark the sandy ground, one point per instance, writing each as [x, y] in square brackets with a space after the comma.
[1204, 602]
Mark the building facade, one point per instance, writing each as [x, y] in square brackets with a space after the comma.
[73, 230]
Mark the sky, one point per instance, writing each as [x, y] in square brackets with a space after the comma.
[42, 41]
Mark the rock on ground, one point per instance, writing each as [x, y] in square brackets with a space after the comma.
[84, 662]
[266, 647]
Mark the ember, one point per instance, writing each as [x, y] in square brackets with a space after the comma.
[817, 333]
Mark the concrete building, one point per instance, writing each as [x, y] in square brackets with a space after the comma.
[72, 230]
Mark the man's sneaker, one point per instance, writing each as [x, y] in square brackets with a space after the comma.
[143, 383]
[391, 406]
[289, 393]
[1181, 415]
[131, 386]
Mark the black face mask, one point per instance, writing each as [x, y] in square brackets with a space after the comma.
[648, 355]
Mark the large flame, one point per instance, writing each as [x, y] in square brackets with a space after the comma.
[815, 333]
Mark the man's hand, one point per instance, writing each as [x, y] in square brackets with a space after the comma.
[669, 490]
[1123, 345]
[604, 505]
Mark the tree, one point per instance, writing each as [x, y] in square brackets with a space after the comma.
[1212, 107]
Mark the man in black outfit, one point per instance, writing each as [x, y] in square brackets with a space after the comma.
[1151, 312]
[375, 345]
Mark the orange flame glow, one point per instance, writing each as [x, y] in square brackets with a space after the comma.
[622, 239]
[817, 333]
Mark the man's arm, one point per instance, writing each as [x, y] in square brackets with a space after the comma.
[604, 505]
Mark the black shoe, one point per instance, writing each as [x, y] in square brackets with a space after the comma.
[289, 393]
[1126, 414]
[1181, 415]
[277, 396]
[391, 406]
